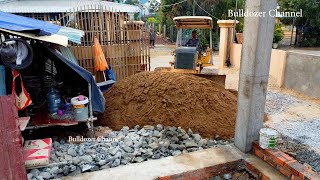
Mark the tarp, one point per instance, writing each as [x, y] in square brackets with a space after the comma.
[37, 27]
[98, 101]
[21, 23]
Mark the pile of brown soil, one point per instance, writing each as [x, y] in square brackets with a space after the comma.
[162, 40]
[171, 99]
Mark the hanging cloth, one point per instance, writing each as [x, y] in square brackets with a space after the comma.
[23, 100]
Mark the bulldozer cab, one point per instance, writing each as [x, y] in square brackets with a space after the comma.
[192, 51]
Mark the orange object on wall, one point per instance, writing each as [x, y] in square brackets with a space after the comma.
[100, 59]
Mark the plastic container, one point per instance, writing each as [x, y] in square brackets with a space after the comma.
[80, 108]
[268, 138]
[53, 100]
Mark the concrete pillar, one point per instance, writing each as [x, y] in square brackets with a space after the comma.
[226, 33]
[254, 73]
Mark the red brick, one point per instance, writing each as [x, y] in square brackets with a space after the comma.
[296, 168]
[250, 167]
[264, 177]
[271, 162]
[255, 145]
[293, 177]
[164, 178]
[289, 162]
[273, 153]
[286, 156]
[188, 174]
[280, 161]
[311, 176]
[258, 153]
[285, 171]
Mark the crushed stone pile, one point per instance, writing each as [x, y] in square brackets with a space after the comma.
[171, 99]
[120, 148]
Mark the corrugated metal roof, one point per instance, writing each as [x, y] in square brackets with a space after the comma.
[55, 6]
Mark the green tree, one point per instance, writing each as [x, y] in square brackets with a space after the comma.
[310, 20]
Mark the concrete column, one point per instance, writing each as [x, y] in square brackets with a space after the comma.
[254, 72]
[226, 32]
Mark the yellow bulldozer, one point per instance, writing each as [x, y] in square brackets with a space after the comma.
[190, 56]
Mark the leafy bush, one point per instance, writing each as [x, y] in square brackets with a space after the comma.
[277, 35]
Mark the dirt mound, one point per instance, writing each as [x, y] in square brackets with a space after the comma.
[171, 99]
[161, 40]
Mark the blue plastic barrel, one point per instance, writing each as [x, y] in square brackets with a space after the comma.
[3, 90]
[111, 74]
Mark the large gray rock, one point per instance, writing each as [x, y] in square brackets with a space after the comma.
[176, 153]
[114, 143]
[173, 146]
[196, 137]
[102, 162]
[137, 127]
[137, 144]
[181, 147]
[39, 178]
[107, 166]
[72, 152]
[154, 145]
[54, 170]
[35, 172]
[55, 144]
[164, 143]
[128, 142]
[86, 167]
[172, 128]
[128, 149]
[118, 155]
[67, 157]
[90, 151]
[148, 127]
[159, 127]
[156, 156]
[181, 131]
[29, 176]
[202, 142]
[65, 170]
[45, 175]
[113, 151]
[72, 168]
[75, 172]
[190, 144]
[212, 142]
[59, 154]
[174, 139]
[86, 159]
[76, 160]
[156, 133]
[138, 159]
[116, 163]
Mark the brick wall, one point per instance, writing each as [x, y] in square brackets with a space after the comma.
[286, 164]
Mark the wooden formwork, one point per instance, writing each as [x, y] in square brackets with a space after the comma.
[124, 42]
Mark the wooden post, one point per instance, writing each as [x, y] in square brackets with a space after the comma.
[164, 31]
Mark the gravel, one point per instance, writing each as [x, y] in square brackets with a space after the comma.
[278, 102]
[298, 122]
[301, 152]
[129, 146]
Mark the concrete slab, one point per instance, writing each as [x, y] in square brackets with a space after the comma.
[178, 164]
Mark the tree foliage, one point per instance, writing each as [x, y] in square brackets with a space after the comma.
[310, 20]
[217, 8]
